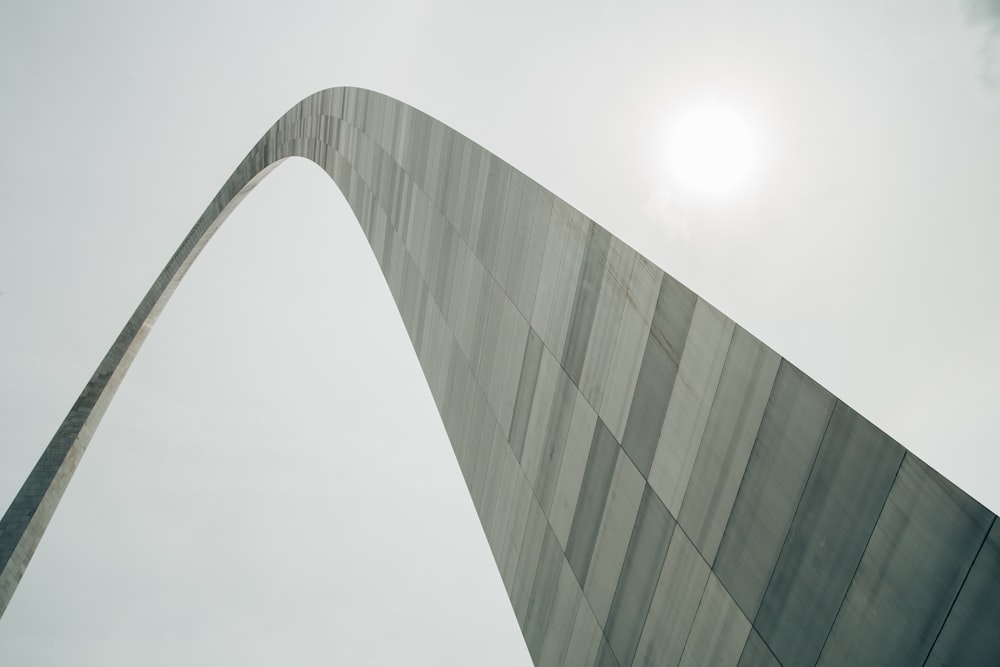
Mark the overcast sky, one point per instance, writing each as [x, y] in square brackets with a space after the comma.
[272, 483]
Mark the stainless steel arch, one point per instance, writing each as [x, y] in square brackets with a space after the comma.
[657, 486]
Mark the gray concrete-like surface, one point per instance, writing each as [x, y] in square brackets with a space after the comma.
[658, 487]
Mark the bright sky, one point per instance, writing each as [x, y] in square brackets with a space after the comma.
[272, 483]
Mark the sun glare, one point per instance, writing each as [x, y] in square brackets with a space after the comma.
[711, 151]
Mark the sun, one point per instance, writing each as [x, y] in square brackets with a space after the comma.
[711, 151]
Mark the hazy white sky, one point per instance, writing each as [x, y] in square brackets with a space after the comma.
[272, 483]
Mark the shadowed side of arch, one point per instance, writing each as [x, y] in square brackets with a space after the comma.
[656, 485]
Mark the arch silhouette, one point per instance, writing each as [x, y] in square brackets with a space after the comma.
[657, 486]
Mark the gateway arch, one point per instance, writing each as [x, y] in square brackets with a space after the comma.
[658, 487]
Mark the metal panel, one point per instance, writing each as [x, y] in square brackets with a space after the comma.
[525, 392]
[510, 230]
[970, 636]
[847, 487]
[515, 365]
[548, 277]
[527, 563]
[513, 539]
[588, 292]
[624, 370]
[607, 320]
[568, 232]
[672, 316]
[501, 355]
[719, 632]
[497, 185]
[522, 238]
[533, 451]
[620, 511]
[756, 653]
[586, 639]
[491, 491]
[790, 434]
[571, 471]
[543, 595]
[643, 562]
[690, 403]
[922, 548]
[675, 602]
[649, 405]
[491, 337]
[554, 444]
[562, 618]
[593, 496]
[644, 287]
[541, 217]
[605, 656]
[744, 388]
[668, 333]
[510, 476]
